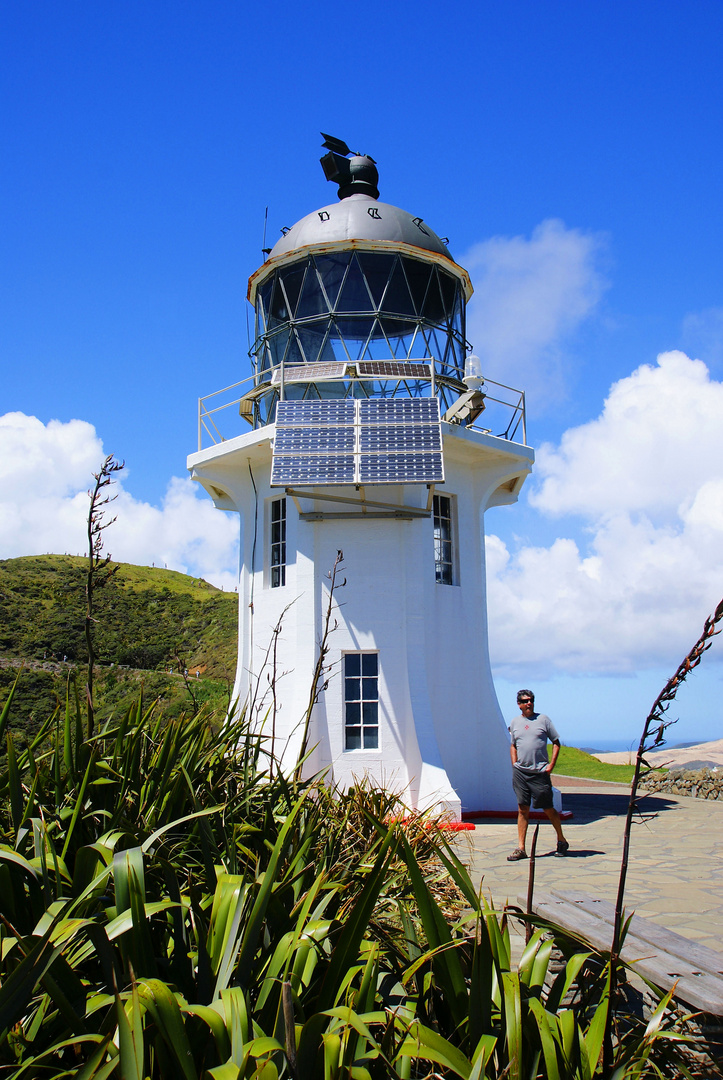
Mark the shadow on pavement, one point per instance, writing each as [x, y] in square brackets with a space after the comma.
[573, 853]
[589, 806]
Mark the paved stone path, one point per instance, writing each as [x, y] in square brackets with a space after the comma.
[675, 873]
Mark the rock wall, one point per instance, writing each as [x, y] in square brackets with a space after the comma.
[696, 783]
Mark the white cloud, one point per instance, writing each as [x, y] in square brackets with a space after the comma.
[45, 471]
[646, 480]
[529, 296]
[187, 533]
[659, 436]
[54, 460]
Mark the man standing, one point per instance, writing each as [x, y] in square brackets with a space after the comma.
[531, 770]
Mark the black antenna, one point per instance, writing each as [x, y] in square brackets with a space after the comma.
[264, 249]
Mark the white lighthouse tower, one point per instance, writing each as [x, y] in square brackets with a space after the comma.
[369, 435]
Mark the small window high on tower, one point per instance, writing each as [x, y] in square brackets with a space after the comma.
[444, 540]
[277, 561]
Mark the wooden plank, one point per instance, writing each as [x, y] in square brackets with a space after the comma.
[698, 956]
[570, 917]
[698, 988]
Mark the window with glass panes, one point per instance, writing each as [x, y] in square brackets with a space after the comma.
[361, 701]
[443, 547]
[277, 563]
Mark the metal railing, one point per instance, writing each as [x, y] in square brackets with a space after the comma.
[516, 407]
[504, 415]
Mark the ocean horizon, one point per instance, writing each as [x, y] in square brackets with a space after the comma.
[609, 746]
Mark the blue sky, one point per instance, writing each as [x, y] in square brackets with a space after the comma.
[571, 152]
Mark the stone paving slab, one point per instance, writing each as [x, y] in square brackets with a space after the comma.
[675, 873]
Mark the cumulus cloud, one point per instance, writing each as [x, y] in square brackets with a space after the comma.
[530, 296]
[45, 471]
[645, 482]
[657, 439]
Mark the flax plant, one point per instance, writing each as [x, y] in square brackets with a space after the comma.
[99, 570]
[171, 906]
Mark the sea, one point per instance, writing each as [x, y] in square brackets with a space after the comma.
[610, 746]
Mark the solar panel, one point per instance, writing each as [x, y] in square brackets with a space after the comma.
[314, 413]
[399, 437]
[358, 442]
[401, 468]
[395, 369]
[299, 439]
[400, 411]
[309, 372]
[317, 469]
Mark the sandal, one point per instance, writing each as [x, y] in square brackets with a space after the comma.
[562, 847]
[516, 855]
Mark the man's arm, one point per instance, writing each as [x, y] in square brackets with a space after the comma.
[555, 754]
[513, 753]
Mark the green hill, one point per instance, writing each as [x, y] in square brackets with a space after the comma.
[148, 620]
[574, 762]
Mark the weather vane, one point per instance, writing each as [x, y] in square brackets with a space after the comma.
[355, 173]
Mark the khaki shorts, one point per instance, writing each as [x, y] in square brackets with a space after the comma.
[532, 789]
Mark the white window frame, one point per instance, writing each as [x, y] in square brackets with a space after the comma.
[359, 722]
[277, 543]
[445, 548]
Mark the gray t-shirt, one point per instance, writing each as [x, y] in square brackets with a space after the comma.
[529, 736]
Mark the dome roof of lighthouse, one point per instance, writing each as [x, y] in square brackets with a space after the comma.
[360, 217]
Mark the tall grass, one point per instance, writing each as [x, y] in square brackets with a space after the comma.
[172, 905]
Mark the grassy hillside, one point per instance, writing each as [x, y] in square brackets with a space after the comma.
[147, 620]
[574, 762]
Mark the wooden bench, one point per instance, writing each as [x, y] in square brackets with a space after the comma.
[657, 954]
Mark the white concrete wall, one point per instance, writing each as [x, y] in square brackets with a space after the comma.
[442, 739]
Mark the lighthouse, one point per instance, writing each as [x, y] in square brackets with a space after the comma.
[367, 428]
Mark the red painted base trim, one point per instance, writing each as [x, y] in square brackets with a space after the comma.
[509, 815]
[450, 826]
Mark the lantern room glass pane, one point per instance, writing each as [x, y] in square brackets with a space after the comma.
[332, 268]
[418, 275]
[262, 302]
[355, 330]
[448, 286]
[434, 311]
[397, 298]
[355, 305]
[312, 300]
[354, 295]
[376, 268]
[292, 281]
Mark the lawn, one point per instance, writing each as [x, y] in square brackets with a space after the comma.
[574, 762]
